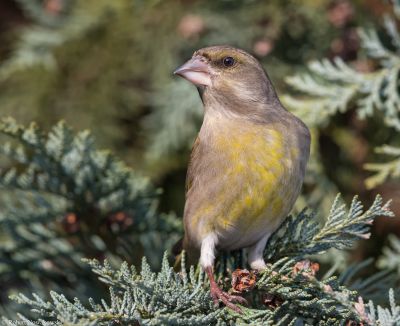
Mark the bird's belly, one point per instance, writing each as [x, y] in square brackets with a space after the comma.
[262, 198]
[264, 181]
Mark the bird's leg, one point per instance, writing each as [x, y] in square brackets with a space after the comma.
[207, 258]
[255, 256]
[226, 298]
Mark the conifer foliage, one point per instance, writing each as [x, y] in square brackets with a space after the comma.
[332, 86]
[75, 221]
[64, 200]
[74, 202]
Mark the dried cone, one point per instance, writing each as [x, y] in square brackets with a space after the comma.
[340, 13]
[243, 281]
[263, 47]
[271, 301]
[54, 7]
[119, 221]
[191, 26]
[70, 223]
[307, 268]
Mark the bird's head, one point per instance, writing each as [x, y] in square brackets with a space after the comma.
[228, 75]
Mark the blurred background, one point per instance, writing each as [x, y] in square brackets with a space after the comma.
[107, 66]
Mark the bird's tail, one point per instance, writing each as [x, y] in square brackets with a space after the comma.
[177, 252]
[178, 247]
[182, 250]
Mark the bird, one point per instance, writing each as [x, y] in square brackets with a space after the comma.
[247, 164]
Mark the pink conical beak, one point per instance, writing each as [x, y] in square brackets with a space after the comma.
[196, 70]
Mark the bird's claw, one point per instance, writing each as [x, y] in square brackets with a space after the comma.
[227, 299]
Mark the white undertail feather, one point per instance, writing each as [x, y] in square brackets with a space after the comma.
[255, 253]
[207, 254]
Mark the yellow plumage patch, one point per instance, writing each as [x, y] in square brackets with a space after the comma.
[254, 179]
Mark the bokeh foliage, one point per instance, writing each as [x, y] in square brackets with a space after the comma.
[107, 66]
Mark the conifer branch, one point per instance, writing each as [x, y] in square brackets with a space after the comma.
[302, 235]
[286, 292]
[333, 86]
[383, 171]
[63, 200]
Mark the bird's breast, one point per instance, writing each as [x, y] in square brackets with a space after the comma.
[248, 179]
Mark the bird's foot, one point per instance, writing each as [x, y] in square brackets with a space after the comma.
[227, 299]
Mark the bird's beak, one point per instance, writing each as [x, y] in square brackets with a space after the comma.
[196, 70]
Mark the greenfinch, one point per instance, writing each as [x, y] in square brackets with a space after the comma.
[247, 164]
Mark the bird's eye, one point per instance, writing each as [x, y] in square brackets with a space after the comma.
[228, 61]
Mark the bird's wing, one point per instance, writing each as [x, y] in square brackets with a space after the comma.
[189, 174]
